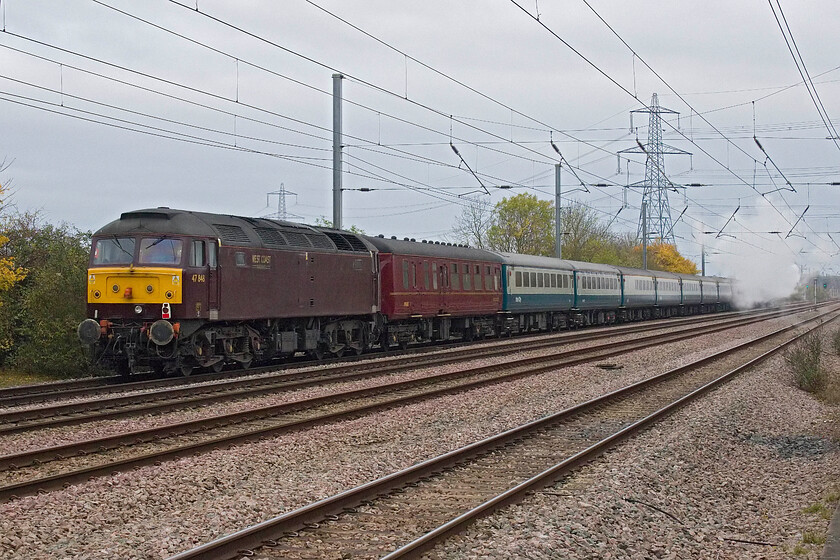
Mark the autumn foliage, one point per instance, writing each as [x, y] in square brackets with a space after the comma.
[525, 224]
[664, 256]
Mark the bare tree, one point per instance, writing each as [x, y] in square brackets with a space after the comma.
[475, 219]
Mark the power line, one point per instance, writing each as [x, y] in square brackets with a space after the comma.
[803, 72]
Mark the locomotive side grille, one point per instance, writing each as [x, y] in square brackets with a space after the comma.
[271, 237]
[319, 241]
[231, 233]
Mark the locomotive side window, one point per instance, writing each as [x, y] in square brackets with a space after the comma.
[197, 253]
[211, 255]
[160, 250]
[240, 258]
[118, 250]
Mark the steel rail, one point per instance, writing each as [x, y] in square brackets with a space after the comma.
[380, 397]
[165, 400]
[74, 388]
[268, 532]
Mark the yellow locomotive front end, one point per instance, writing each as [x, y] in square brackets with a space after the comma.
[138, 286]
[134, 290]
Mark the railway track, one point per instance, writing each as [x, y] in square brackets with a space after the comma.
[54, 467]
[80, 388]
[407, 512]
[166, 399]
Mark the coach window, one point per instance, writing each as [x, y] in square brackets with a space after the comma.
[477, 278]
[533, 279]
[539, 280]
[426, 275]
[197, 253]
[434, 276]
[405, 274]
[518, 279]
[467, 278]
[413, 275]
[496, 283]
[526, 280]
[488, 283]
[454, 279]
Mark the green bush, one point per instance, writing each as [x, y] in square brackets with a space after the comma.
[804, 362]
[39, 315]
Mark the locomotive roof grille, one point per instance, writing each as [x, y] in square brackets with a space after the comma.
[341, 243]
[297, 239]
[271, 237]
[345, 242]
[319, 241]
[144, 215]
[356, 243]
[234, 234]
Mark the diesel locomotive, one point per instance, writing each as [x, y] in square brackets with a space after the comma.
[175, 290]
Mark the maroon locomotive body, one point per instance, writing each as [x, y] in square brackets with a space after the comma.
[225, 289]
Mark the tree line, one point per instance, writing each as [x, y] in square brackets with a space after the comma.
[525, 224]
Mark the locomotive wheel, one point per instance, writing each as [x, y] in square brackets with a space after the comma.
[218, 366]
[186, 370]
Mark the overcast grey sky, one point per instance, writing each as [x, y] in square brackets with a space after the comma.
[230, 114]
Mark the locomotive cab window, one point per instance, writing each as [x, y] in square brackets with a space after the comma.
[240, 258]
[117, 250]
[160, 250]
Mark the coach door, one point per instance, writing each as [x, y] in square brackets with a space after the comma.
[440, 283]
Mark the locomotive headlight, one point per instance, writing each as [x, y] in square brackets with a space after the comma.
[149, 289]
[169, 295]
[97, 294]
[115, 288]
[138, 309]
